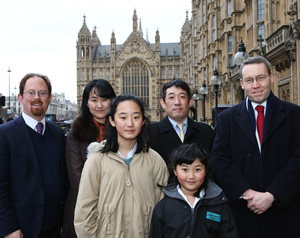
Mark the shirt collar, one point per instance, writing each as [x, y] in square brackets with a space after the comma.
[31, 122]
[130, 153]
[174, 124]
[201, 195]
[255, 104]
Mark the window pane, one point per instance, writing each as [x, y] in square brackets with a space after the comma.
[229, 43]
[136, 81]
[229, 8]
[260, 9]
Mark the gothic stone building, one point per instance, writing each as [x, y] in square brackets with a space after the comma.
[136, 67]
[209, 41]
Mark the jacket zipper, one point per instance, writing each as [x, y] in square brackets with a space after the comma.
[192, 223]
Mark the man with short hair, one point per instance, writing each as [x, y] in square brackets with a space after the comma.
[257, 157]
[177, 128]
[32, 167]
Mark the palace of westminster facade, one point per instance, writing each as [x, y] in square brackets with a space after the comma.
[209, 41]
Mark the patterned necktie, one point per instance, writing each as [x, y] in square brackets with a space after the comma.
[260, 121]
[181, 134]
[39, 127]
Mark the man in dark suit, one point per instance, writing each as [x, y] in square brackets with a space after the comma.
[168, 134]
[257, 157]
[32, 170]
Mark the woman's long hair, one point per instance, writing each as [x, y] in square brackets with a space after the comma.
[102, 89]
[111, 134]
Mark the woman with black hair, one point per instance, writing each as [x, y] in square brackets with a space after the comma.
[88, 127]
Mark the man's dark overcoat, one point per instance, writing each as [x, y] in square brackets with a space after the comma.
[163, 137]
[239, 166]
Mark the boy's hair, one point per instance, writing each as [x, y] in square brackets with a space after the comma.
[187, 154]
[111, 134]
[178, 84]
[102, 89]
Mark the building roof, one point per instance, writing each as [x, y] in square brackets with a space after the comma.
[165, 49]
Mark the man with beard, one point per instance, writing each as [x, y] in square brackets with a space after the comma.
[32, 170]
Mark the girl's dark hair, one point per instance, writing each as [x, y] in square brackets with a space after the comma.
[102, 89]
[111, 134]
[187, 154]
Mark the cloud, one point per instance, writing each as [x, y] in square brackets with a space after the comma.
[40, 36]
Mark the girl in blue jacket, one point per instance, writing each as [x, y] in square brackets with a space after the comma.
[193, 205]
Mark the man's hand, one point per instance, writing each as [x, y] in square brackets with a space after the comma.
[258, 202]
[16, 234]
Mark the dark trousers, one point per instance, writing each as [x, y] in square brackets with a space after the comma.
[53, 233]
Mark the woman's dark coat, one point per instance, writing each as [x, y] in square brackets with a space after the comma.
[83, 132]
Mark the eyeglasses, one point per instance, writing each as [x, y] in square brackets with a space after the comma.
[258, 79]
[32, 93]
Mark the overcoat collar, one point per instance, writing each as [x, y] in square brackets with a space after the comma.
[275, 118]
[165, 127]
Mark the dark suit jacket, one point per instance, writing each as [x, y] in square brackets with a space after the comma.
[21, 188]
[163, 137]
[240, 166]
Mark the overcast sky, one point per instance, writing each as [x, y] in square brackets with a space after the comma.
[40, 35]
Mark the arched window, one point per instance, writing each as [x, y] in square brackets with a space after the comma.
[229, 44]
[213, 28]
[260, 19]
[203, 12]
[195, 26]
[136, 80]
[260, 9]
[214, 62]
[82, 51]
[230, 60]
[228, 8]
[204, 46]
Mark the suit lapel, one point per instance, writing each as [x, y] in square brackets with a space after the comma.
[275, 118]
[243, 121]
[167, 129]
[190, 128]
[28, 146]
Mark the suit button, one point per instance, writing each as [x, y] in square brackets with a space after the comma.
[128, 183]
[248, 156]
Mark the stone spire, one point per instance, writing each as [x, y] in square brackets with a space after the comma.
[135, 19]
[140, 28]
[157, 41]
[95, 39]
[84, 31]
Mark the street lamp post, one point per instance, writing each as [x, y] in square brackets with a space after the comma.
[239, 59]
[196, 97]
[8, 87]
[215, 80]
[203, 92]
